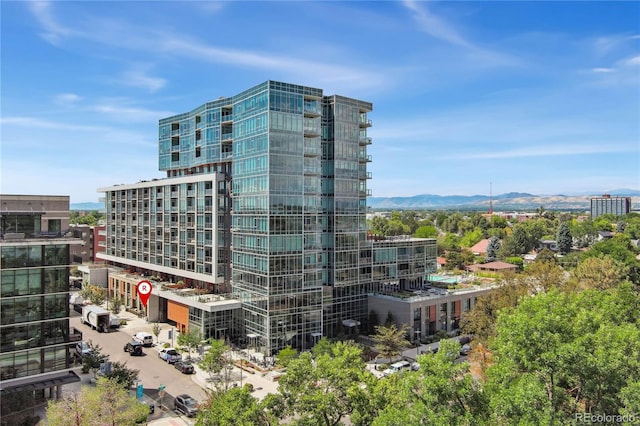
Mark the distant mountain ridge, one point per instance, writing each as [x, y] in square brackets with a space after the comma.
[507, 201]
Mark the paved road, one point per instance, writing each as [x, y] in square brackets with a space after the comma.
[152, 370]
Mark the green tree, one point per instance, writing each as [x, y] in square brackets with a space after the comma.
[156, 331]
[215, 359]
[470, 238]
[116, 305]
[396, 227]
[602, 273]
[92, 360]
[546, 255]
[426, 231]
[619, 248]
[448, 242]
[190, 340]
[235, 406]
[106, 404]
[286, 355]
[122, 375]
[459, 259]
[560, 353]
[516, 244]
[322, 347]
[324, 390]
[541, 276]
[390, 341]
[96, 294]
[564, 238]
[379, 224]
[492, 249]
[441, 392]
[584, 232]
[481, 320]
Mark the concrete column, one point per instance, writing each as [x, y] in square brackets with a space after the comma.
[58, 392]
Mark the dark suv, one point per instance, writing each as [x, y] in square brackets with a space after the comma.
[186, 405]
[134, 347]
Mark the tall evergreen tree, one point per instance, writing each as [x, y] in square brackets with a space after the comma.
[492, 249]
[564, 238]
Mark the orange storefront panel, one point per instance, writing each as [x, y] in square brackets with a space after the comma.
[178, 312]
[432, 313]
[456, 309]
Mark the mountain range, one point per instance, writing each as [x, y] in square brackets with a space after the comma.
[507, 201]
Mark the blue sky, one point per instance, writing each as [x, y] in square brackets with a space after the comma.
[540, 97]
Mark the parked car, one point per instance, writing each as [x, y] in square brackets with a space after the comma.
[464, 349]
[186, 404]
[396, 367]
[134, 347]
[185, 367]
[145, 338]
[83, 349]
[170, 355]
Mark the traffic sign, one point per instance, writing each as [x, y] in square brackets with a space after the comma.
[144, 290]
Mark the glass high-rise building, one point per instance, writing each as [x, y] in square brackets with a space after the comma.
[289, 212]
[35, 336]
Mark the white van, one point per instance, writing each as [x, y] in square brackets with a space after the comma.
[396, 367]
[145, 338]
[399, 366]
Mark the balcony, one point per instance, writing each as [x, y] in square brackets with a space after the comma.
[363, 158]
[365, 140]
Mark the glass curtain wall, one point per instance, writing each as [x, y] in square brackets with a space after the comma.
[34, 323]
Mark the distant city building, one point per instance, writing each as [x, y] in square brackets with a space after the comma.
[34, 328]
[606, 204]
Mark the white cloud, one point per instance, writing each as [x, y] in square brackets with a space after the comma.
[67, 99]
[607, 44]
[546, 150]
[210, 7]
[434, 25]
[138, 78]
[122, 112]
[54, 31]
[134, 37]
[602, 70]
[32, 122]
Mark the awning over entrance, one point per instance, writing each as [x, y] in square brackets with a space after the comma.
[42, 384]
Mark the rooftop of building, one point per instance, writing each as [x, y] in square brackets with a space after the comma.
[201, 298]
[439, 286]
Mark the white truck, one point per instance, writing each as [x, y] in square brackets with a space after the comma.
[96, 317]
